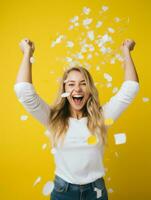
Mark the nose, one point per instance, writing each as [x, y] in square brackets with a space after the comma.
[77, 88]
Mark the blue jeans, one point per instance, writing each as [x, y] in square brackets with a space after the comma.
[64, 190]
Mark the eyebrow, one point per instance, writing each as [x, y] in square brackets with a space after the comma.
[74, 81]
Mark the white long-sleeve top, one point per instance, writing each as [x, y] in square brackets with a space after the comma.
[77, 161]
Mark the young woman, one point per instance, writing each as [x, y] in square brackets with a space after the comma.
[75, 117]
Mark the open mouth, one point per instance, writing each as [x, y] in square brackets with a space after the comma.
[77, 100]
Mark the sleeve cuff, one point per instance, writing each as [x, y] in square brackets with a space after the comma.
[131, 85]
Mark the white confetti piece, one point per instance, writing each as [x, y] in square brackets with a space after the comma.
[104, 39]
[99, 24]
[112, 61]
[111, 30]
[74, 19]
[37, 181]
[32, 59]
[120, 138]
[109, 85]
[91, 47]
[76, 24]
[71, 27]
[108, 77]
[98, 192]
[70, 44]
[119, 57]
[98, 68]
[68, 59]
[89, 56]
[115, 89]
[47, 133]
[87, 21]
[44, 146]
[90, 35]
[48, 187]
[105, 8]
[58, 40]
[24, 117]
[79, 55]
[145, 99]
[105, 49]
[116, 19]
[86, 10]
[110, 190]
[53, 150]
[65, 94]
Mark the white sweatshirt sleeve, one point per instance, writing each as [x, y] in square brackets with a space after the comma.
[120, 101]
[31, 101]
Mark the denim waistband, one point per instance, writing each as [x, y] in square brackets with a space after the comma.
[78, 186]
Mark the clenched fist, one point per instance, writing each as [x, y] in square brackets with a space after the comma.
[128, 44]
[27, 46]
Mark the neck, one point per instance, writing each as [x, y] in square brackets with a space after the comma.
[76, 114]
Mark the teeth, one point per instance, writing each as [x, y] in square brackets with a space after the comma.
[77, 96]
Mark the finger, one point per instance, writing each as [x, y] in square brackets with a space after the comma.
[33, 46]
[26, 40]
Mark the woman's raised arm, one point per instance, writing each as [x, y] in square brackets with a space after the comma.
[25, 90]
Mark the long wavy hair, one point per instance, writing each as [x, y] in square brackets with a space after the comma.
[60, 113]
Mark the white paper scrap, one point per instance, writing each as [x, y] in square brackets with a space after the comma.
[120, 138]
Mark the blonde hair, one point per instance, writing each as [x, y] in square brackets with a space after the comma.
[59, 115]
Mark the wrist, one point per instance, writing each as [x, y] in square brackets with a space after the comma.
[27, 54]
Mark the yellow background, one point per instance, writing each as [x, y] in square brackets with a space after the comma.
[22, 159]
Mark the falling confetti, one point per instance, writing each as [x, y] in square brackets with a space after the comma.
[87, 22]
[112, 61]
[99, 24]
[92, 139]
[86, 10]
[111, 30]
[65, 94]
[145, 99]
[53, 151]
[47, 133]
[109, 121]
[70, 44]
[90, 35]
[68, 59]
[110, 190]
[48, 187]
[98, 68]
[108, 77]
[105, 8]
[120, 138]
[115, 89]
[117, 19]
[58, 40]
[24, 117]
[74, 19]
[37, 181]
